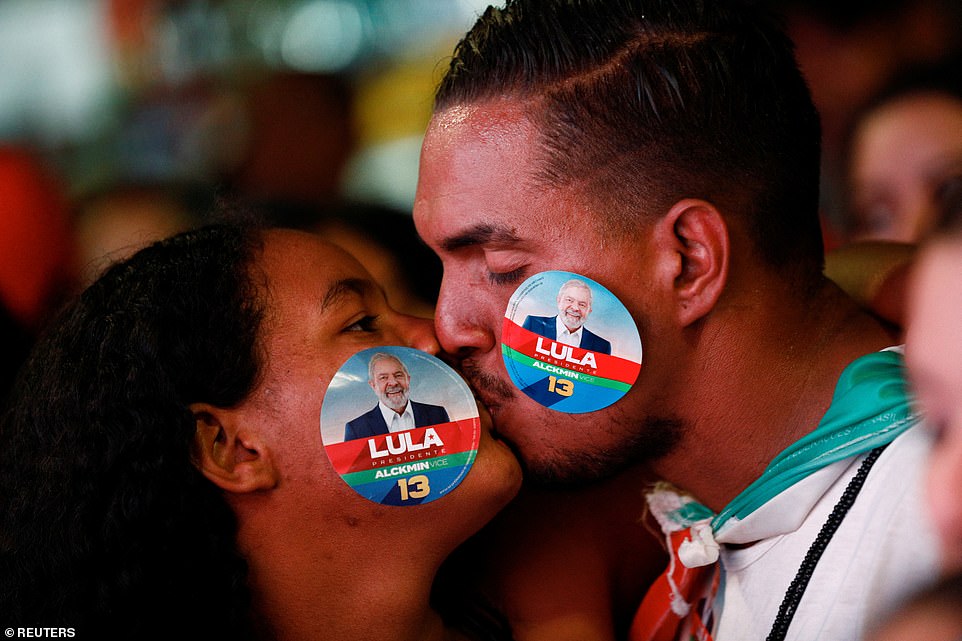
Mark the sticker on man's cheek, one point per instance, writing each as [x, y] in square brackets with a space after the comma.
[400, 426]
[569, 343]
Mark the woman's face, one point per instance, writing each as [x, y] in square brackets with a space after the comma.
[934, 358]
[903, 153]
[322, 308]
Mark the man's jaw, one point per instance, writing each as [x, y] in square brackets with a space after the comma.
[396, 400]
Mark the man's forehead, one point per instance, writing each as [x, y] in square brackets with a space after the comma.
[457, 137]
[576, 290]
[479, 183]
[388, 363]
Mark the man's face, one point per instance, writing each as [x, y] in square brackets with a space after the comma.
[492, 226]
[391, 383]
[574, 306]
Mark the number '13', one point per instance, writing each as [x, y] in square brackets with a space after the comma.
[416, 487]
[562, 387]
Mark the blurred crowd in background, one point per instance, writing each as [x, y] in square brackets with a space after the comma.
[122, 121]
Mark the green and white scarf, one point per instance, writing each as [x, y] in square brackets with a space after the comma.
[870, 407]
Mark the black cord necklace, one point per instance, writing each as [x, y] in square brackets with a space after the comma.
[793, 595]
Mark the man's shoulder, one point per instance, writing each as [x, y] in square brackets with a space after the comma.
[426, 406]
[595, 342]
[590, 333]
[540, 319]
[366, 416]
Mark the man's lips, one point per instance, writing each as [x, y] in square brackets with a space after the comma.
[490, 390]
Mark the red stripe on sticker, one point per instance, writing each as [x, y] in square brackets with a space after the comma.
[403, 447]
[571, 358]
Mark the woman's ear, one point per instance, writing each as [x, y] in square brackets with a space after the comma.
[695, 231]
[231, 457]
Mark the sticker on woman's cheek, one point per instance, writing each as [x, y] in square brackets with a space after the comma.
[569, 343]
[400, 426]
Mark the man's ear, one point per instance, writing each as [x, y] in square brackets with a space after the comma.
[232, 458]
[695, 231]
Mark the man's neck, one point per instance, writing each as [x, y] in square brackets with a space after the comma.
[397, 411]
[571, 330]
[778, 379]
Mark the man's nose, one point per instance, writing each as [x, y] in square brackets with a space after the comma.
[461, 320]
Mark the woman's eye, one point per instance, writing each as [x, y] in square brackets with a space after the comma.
[506, 278]
[366, 324]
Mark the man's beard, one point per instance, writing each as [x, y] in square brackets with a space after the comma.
[488, 387]
[573, 323]
[396, 403]
[651, 439]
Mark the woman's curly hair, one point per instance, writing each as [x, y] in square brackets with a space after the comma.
[107, 526]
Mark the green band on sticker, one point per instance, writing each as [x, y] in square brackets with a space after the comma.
[577, 376]
[414, 467]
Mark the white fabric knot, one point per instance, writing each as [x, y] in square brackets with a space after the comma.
[700, 549]
[679, 606]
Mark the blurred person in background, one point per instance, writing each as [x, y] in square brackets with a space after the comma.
[111, 223]
[903, 158]
[934, 614]
[905, 147]
[848, 51]
[298, 134]
[933, 355]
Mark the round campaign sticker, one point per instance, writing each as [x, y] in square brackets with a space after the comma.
[400, 426]
[569, 343]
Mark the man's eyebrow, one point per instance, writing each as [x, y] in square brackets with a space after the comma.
[479, 234]
[343, 288]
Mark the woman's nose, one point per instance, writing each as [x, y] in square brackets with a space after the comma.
[419, 334]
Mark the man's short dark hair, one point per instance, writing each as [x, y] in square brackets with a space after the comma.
[640, 103]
